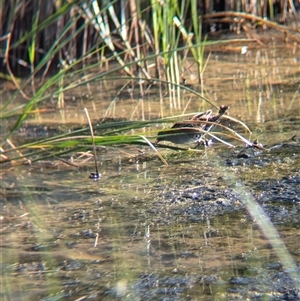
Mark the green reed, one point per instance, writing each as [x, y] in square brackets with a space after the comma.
[173, 41]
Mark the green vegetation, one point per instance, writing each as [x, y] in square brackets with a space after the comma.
[48, 50]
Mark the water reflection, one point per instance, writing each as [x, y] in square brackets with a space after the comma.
[171, 233]
[149, 232]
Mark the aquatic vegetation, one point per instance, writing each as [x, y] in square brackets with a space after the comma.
[210, 221]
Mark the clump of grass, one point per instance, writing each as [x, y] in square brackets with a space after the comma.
[103, 31]
[81, 140]
[73, 22]
[72, 33]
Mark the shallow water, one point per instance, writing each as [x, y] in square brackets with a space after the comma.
[149, 232]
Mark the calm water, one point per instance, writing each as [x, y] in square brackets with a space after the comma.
[143, 232]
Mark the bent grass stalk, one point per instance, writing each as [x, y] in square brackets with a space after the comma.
[80, 142]
[155, 150]
[39, 96]
[94, 175]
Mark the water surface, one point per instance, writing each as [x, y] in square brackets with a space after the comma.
[149, 232]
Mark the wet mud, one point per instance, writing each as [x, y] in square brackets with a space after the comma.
[209, 191]
[186, 210]
[183, 233]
